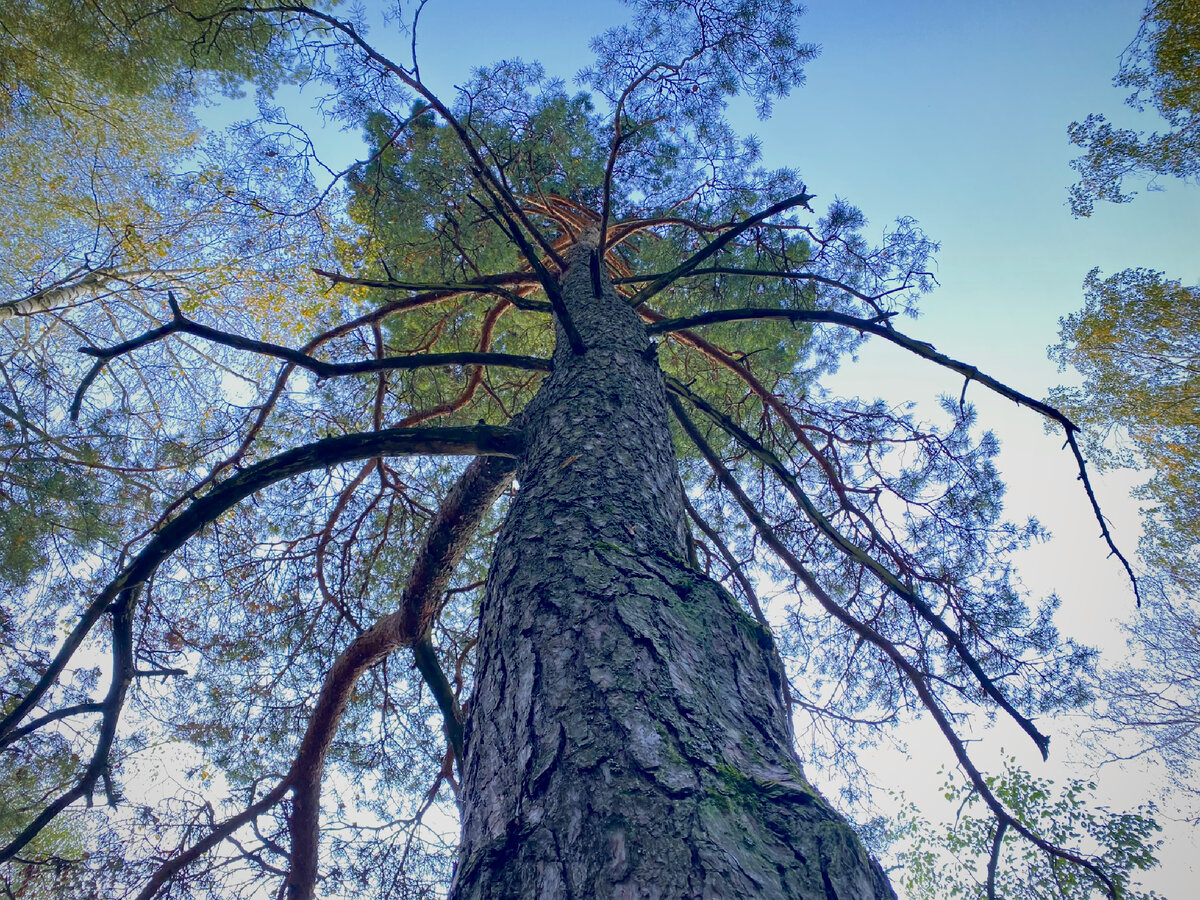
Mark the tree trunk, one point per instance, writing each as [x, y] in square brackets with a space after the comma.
[627, 736]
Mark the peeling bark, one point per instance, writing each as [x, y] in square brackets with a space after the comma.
[628, 736]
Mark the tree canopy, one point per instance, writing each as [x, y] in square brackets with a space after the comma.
[1162, 67]
[1135, 344]
[238, 534]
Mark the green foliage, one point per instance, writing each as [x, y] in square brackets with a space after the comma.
[750, 45]
[64, 507]
[940, 861]
[257, 608]
[53, 52]
[1137, 344]
[1162, 66]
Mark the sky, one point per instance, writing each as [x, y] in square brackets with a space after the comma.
[954, 113]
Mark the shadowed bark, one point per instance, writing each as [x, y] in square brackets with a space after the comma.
[628, 736]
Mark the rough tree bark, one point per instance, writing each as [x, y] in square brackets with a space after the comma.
[627, 736]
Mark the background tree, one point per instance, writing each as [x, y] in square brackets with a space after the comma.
[1136, 344]
[1162, 66]
[977, 857]
[477, 235]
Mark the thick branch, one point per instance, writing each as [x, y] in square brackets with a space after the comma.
[480, 440]
[852, 551]
[994, 858]
[66, 712]
[110, 709]
[426, 661]
[442, 549]
[880, 328]
[717, 244]
[82, 282]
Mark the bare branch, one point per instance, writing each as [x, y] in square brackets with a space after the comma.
[480, 440]
[881, 328]
[176, 864]
[98, 766]
[764, 273]
[322, 369]
[864, 559]
[994, 858]
[716, 245]
[870, 635]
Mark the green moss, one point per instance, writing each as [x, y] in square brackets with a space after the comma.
[756, 629]
[671, 756]
[738, 787]
[752, 793]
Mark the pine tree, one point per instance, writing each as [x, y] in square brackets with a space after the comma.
[604, 300]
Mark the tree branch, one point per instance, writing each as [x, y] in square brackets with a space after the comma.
[98, 766]
[506, 202]
[852, 551]
[873, 637]
[445, 542]
[481, 440]
[763, 273]
[322, 369]
[994, 858]
[175, 865]
[685, 267]
[548, 281]
[489, 284]
[55, 716]
[881, 328]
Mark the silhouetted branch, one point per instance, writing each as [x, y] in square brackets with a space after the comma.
[55, 716]
[768, 273]
[488, 284]
[176, 864]
[480, 440]
[918, 680]
[692, 262]
[110, 710]
[860, 556]
[549, 282]
[322, 369]
[881, 328]
[994, 858]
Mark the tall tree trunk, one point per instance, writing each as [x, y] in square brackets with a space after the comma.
[627, 736]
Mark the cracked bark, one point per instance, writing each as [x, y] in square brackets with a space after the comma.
[628, 736]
